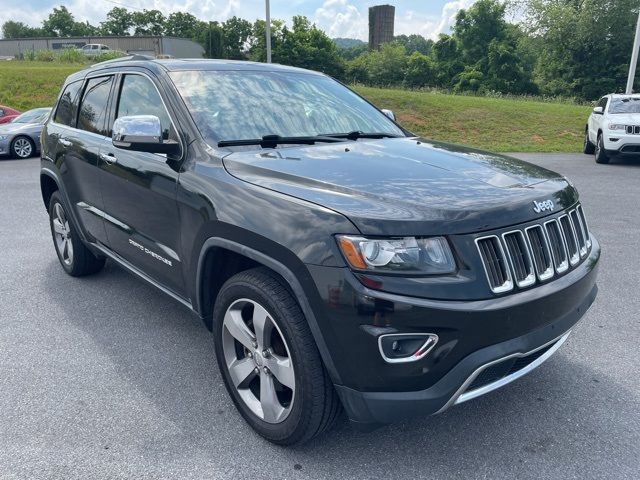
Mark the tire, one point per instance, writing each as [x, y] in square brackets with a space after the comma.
[300, 400]
[76, 259]
[23, 147]
[588, 147]
[599, 152]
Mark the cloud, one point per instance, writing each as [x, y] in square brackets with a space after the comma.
[340, 18]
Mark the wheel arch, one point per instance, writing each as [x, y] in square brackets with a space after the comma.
[48, 185]
[237, 257]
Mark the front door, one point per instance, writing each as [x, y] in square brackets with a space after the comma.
[139, 192]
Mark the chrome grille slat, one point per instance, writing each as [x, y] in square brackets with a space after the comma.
[495, 264]
[571, 242]
[520, 258]
[538, 252]
[541, 252]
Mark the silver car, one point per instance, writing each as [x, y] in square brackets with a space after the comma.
[21, 137]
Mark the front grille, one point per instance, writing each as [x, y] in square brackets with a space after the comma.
[633, 129]
[495, 264]
[505, 368]
[539, 251]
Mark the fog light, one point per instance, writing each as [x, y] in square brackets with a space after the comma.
[406, 347]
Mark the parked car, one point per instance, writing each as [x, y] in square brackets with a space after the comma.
[613, 128]
[94, 49]
[7, 114]
[21, 137]
[339, 260]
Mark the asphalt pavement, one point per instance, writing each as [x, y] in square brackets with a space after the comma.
[106, 377]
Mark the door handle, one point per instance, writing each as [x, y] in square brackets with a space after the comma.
[109, 158]
[65, 142]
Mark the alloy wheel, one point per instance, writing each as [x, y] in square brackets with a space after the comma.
[258, 360]
[22, 148]
[62, 234]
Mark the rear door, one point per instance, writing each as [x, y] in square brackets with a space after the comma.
[79, 124]
[139, 190]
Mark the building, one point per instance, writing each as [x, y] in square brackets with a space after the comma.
[143, 45]
[381, 24]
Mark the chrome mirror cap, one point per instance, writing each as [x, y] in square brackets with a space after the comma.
[389, 114]
[137, 129]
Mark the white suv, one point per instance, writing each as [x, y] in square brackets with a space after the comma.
[613, 127]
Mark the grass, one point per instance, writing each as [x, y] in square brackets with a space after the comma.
[497, 124]
[25, 85]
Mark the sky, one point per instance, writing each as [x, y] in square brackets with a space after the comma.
[339, 18]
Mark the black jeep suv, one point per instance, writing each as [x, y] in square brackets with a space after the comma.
[340, 261]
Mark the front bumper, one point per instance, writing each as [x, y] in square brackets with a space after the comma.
[473, 336]
[620, 143]
[4, 147]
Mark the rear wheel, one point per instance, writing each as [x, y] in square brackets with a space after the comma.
[269, 361]
[23, 147]
[600, 153]
[587, 146]
[76, 259]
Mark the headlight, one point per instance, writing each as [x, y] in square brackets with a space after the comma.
[3, 138]
[616, 126]
[430, 255]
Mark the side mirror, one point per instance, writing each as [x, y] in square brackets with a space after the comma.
[142, 133]
[389, 114]
[598, 110]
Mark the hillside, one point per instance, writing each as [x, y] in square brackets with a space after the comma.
[492, 123]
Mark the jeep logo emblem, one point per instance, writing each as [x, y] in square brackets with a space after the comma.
[542, 206]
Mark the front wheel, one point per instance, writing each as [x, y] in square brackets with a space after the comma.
[23, 147]
[600, 153]
[269, 361]
[74, 256]
[587, 147]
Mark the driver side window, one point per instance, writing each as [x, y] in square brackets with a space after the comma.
[138, 96]
[603, 103]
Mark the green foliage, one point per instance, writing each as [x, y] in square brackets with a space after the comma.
[148, 22]
[72, 55]
[236, 36]
[420, 71]
[13, 29]
[584, 46]
[415, 43]
[44, 56]
[109, 55]
[119, 22]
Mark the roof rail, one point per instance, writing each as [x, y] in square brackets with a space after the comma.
[127, 58]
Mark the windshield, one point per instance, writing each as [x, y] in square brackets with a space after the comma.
[242, 105]
[38, 115]
[625, 105]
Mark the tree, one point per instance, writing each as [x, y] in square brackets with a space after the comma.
[59, 23]
[415, 43]
[583, 46]
[148, 22]
[420, 71]
[448, 60]
[119, 22]
[13, 29]
[306, 46]
[477, 27]
[386, 66]
[237, 37]
[181, 24]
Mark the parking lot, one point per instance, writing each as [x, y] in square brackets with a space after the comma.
[106, 377]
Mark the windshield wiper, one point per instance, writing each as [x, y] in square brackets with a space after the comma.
[356, 134]
[271, 141]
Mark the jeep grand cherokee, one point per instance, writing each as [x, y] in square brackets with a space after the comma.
[340, 261]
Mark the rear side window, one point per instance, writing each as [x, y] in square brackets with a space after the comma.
[66, 110]
[93, 108]
[139, 96]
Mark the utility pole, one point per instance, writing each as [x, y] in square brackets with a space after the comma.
[268, 32]
[634, 59]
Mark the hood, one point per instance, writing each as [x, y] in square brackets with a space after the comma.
[11, 128]
[624, 118]
[407, 186]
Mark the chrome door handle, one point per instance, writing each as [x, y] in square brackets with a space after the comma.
[109, 158]
[65, 142]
